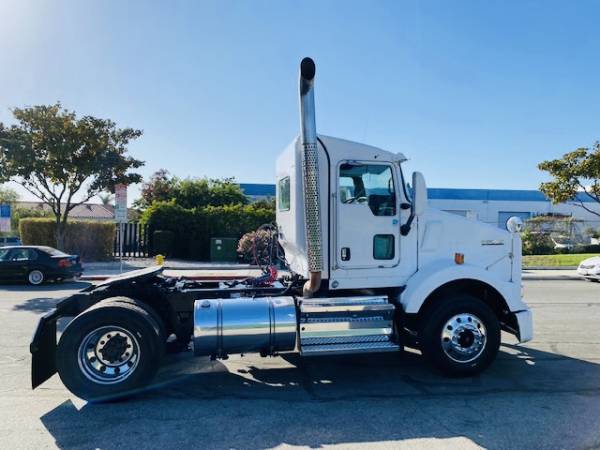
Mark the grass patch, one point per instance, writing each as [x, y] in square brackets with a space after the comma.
[571, 259]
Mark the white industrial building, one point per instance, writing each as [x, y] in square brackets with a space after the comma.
[492, 206]
[495, 206]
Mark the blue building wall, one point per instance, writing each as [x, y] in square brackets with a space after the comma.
[492, 206]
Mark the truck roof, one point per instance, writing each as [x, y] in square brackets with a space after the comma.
[340, 149]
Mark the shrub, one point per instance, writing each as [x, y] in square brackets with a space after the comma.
[246, 246]
[163, 241]
[592, 248]
[22, 213]
[537, 243]
[93, 241]
[193, 228]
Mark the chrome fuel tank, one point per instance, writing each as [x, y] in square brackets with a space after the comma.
[244, 325]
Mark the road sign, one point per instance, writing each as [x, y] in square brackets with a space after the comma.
[5, 211]
[121, 203]
[5, 218]
[4, 224]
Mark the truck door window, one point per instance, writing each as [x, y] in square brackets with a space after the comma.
[383, 246]
[369, 184]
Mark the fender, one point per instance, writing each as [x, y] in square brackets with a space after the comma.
[438, 273]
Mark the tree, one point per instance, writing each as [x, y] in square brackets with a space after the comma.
[106, 198]
[190, 193]
[159, 188]
[64, 160]
[577, 172]
[8, 196]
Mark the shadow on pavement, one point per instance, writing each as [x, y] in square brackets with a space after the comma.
[528, 398]
[44, 304]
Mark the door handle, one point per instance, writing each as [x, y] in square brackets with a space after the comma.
[345, 254]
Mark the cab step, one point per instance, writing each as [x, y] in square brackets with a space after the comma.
[345, 325]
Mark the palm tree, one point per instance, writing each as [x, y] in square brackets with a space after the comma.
[106, 199]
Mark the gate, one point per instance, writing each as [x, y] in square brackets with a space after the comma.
[135, 241]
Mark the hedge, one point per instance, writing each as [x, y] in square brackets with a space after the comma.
[193, 228]
[92, 241]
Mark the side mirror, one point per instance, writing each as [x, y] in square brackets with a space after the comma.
[419, 203]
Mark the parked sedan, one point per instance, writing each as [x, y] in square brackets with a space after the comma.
[36, 264]
[590, 268]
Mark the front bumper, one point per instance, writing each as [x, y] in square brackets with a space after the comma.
[589, 273]
[524, 321]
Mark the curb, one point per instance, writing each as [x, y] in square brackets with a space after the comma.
[552, 278]
[550, 267]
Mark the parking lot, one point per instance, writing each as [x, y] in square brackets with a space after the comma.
[543, 394]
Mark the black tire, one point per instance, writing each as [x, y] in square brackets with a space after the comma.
[160, 325]
[125, 318]
[435, 323]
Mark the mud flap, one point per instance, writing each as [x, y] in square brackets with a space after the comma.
[43, 345]
[43, 349]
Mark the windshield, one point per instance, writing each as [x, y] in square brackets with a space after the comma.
[4, 254]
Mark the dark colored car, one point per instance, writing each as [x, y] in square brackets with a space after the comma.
[36, 264]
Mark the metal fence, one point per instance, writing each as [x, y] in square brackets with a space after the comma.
[135, 241]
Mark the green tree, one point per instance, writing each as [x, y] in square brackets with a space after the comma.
[65, 160]
[159, 188]
[189, 193]
[106, 198]
[576, 172]
[8, 196]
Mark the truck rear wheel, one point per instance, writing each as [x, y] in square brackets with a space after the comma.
[160, 330]
[109, 351]
[460, 336]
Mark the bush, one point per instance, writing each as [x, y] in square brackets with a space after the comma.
[163, 241]
[22, 213]
[537, 243]
[592, 248]
[193, 228]
[92, 241]
[246, 246]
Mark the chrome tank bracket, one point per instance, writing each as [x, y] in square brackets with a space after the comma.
[223, 326]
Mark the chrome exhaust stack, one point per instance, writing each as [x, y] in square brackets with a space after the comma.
[310, 172]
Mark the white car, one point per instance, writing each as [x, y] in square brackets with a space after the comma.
[590, 268]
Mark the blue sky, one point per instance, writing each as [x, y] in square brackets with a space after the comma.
[475, 93]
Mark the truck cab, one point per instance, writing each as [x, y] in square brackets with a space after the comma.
[373, 239]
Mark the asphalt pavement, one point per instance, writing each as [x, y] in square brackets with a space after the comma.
[544, 394]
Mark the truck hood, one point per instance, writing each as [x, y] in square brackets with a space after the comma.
[442, 235]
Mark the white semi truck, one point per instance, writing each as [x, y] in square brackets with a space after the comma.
[371, 269]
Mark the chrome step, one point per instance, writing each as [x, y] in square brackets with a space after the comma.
[346, 325]
[345, 349]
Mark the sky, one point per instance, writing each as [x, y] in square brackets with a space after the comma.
[474, 93]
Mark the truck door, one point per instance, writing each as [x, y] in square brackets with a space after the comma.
[367, 216]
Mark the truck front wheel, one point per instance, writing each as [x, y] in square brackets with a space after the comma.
[460, 336]
[109, 351]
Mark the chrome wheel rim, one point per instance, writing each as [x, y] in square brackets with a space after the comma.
[109, 355]
[36, 277]
[464, 338]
